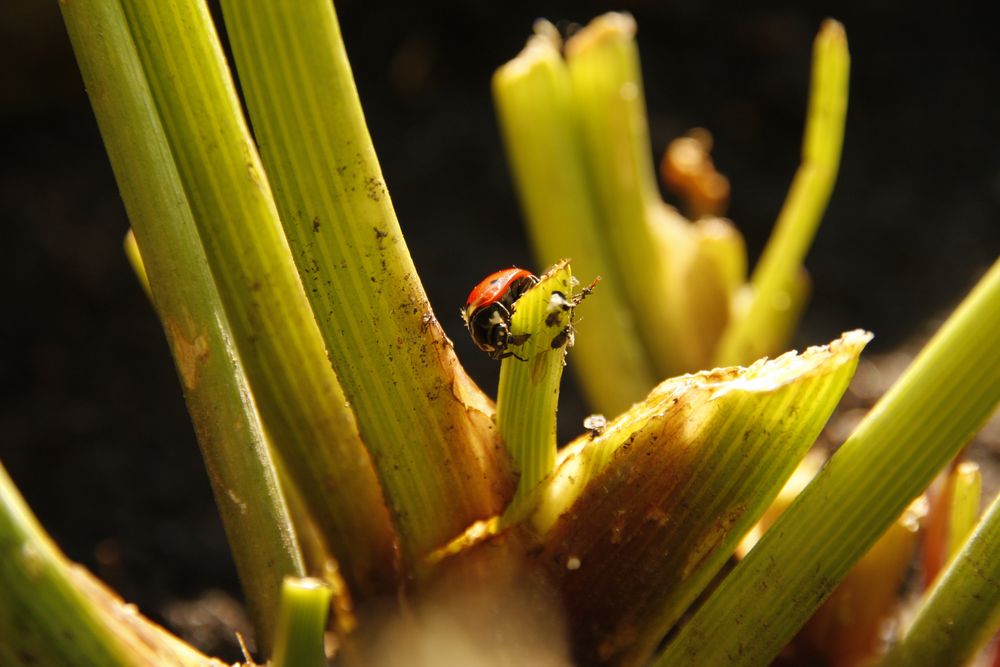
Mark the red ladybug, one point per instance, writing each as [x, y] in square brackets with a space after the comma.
[488, 309]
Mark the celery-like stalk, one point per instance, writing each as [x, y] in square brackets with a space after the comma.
[529, 387]
[965, 492]
[53, 612]
[302, 406]
[645, 241]
[167, 253]
[536, 107]
[305, 605]
[427, 426]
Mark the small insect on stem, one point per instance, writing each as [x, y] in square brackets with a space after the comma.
[596, 424]
[488, 310]
[559, 304]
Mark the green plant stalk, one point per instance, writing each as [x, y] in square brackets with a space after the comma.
[786, 312]
[263, 538]
[183, 291]
[427, 427]
[528, 394]
[804, 206]
[962, 611]
[849, 627]
[944, 397]
[301, 404]
[53, 612]
[305, 605]
[607, 86]
[638, 519]
[966, 490]
[533, 97]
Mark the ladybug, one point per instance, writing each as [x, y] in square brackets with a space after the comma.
[489, 307]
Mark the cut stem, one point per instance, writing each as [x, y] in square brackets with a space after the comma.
[637, 520]
[604, 70]
[965, 492]
[305, 605]
[529, 390]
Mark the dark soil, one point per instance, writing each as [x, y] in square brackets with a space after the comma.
[92, 426]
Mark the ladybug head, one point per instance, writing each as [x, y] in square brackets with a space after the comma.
[489, 327]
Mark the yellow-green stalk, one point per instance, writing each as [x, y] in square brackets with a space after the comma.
[536, 109]
[428, 428]
[264, 539]
[962, 611]
[649, 244]
[774, 291]
[849, 628]
[966, 487]
[53, 612]
[131, 247]
[528, 395]
[168, 256]
[276, 338]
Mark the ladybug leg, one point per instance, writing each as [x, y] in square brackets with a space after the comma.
[508, 353]
[519, 339]
[502, 338]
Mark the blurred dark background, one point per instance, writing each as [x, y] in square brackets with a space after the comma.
[92, 426]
